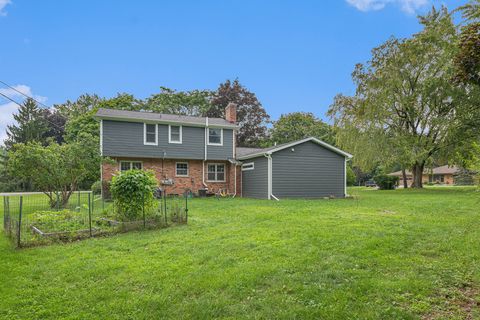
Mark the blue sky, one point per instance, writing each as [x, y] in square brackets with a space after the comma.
[295, 55]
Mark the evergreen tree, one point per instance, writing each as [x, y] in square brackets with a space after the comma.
[30, 126]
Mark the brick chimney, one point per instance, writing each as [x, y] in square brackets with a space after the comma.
[231, 112]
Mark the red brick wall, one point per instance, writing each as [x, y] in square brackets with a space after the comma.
[165, 169]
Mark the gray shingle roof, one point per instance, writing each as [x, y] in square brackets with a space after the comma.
[103, 113]
[241, 151]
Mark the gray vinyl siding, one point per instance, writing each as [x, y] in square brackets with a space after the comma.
[222, 152]
[255, 182]
[310, 171]
[125, 139]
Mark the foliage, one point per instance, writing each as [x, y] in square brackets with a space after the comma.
[467, 59]
[58, 221]
[97, 187]
[351, 177]
[251, 116]
[132, 192]
[55, 168]
[386, 182]
[190, 103]
[30, 125]
[407, 109]
[298, 125]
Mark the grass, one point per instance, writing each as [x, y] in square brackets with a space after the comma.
[404, 254]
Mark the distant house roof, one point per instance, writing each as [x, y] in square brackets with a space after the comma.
[438, 170]
[247, 153]
[139, 116]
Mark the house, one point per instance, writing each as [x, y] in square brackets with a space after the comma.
[198, 153]
[439, 175]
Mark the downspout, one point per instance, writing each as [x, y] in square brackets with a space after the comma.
[269, 174]
[205, 153]
[345, 174]
[101, 157]
[235, 182]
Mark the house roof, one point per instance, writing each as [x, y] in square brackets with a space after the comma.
[248, 153]
[140, 116]
[438, 170]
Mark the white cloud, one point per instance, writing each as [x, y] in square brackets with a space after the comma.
[8, 108]
[3, 4]
[408, 6]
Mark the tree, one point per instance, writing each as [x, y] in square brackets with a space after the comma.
[55, 123]
[406, 108]
[54, 168]
[190, 103]
[467, 60]
[298, 125]
[251, 116]
[30, 125]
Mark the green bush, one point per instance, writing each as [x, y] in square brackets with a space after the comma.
[131, 191]
[385, 182]
[351, 177]
[58, 221]
[96, 187]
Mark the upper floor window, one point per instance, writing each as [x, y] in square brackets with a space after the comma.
[181, 169]
[130, 165]
[150, 133]
[174, 134]
[215, 136]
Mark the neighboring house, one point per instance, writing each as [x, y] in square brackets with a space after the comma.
[439, 175]
[199, 153]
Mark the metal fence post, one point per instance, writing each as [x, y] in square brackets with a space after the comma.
[78, 201]
[186, 206]
[19, 242]
[143, 210]
[58, 201]
[93, 201]
[89, 216]
[165, 206]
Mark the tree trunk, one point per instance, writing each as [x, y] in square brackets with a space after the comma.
[404, 176]
[417, 171]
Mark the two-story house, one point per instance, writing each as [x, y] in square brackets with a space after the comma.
[184, 152]
[198, 153]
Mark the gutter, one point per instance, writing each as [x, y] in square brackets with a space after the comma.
[269, 174]
[205, 153]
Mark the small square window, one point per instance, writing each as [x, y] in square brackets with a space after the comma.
[130, 165]
[175, 134]
[181, 169]
[215, 136]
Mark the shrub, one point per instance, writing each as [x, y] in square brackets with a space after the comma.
[385, 182]
[351, 177]
[131, 191]
[97, 187]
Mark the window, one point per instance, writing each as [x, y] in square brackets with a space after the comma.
[181, 169]
[129, 165]
[248, 166]
[150, 134]
[174, 134]
[216, 172]
[215, 136]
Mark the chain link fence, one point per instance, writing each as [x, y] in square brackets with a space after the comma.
[36, 218]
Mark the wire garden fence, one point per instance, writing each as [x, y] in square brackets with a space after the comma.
[35, 218]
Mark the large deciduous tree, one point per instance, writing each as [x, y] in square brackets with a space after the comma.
[299, 125]
[406, 108]
[251, 116]
[190, 103]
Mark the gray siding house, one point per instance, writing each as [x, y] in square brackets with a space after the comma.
[195, 153]
[308, 168]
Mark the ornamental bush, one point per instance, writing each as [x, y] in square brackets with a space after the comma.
[385, 182]
[131, 191]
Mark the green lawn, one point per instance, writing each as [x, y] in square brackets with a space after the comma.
[401, 254]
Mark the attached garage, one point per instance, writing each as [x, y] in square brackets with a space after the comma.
[308, 168]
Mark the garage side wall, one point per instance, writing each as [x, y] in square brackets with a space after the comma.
[310, 171]
[255, 182]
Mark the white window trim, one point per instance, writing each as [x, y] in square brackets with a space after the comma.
[170, 134]
[248, 166]
[221, 137]
[188, 169]
[224, 171]
[129, 161]
[145, 135]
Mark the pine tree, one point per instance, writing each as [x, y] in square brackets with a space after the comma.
[30, 126]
